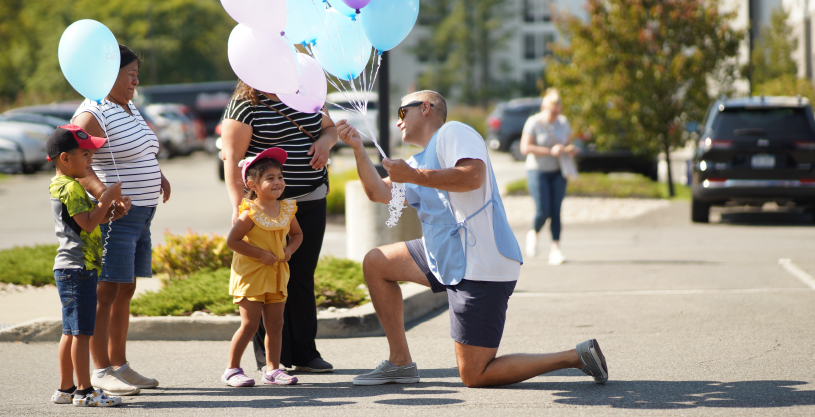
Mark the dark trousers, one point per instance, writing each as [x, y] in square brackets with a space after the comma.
[548, 190]
[300, 314]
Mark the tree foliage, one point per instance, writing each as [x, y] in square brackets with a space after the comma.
[464, 36]
[773, 71]
[637, 71]
[179, 40]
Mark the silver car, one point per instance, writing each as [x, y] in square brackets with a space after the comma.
[11, 157]
[31, 139]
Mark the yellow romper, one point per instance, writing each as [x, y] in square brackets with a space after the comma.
[251, 279]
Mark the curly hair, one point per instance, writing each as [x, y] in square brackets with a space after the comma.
[244, 92]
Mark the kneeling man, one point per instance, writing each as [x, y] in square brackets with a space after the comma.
[468, 250]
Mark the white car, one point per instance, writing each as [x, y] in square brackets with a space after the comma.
[178, 129]
[31, 139]
[11, 157]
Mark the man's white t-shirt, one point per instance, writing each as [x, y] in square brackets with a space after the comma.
[484, 262]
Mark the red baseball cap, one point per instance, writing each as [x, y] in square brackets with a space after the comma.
[277, 154]
[69, 137]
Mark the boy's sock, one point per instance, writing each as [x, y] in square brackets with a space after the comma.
[83, 392]
[69, 390]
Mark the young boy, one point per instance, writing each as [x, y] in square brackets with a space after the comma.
[78, 261]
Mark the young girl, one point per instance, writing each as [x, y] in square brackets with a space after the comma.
[260, 270]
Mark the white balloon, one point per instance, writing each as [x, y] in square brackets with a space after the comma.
[263, 15]
[263, 61]
[310, 98]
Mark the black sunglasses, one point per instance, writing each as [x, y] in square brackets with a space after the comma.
[414, 104]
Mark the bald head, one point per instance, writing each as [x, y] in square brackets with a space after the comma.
[439, 105]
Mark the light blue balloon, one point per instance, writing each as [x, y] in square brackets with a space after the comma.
[304, 20]
[387, 22]
[343, 8]
[342, 48]
[89, 58]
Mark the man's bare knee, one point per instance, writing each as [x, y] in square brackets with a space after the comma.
[471, 378]
[371, 264]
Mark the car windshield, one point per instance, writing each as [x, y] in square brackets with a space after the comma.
[768, 123]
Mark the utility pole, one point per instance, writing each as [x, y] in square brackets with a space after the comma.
[383, 114]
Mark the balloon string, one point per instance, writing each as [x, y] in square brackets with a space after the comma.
[119, 178]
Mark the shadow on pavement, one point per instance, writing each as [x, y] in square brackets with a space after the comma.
[767, 218]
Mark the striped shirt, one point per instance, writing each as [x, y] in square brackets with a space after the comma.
[132, 146]
[270, 129]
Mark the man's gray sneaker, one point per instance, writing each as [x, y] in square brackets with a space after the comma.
[594, 363]
[387, 373]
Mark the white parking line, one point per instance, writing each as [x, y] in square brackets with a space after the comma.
[659, 292]
[797, 272]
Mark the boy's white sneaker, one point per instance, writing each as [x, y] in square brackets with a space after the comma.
[134, 378]
[531, 243]
[96, 398]
[556, 257]
[60, 397]
[112, 383]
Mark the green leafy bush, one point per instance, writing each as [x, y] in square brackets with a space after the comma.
[182, 255]
[28, 265]
[475, 117]
[592, 184]
[207, 290]
[335, 200]
[337, 283]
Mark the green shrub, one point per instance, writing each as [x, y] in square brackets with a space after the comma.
[337, 283]
[335, 200]
[182, 255]
[476, 117]
[592, 184]
[207, 290]
[28, 265]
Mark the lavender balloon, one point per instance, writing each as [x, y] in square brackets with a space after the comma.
[313, 87]
[273, 71]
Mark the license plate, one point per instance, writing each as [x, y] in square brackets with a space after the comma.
[763, 161]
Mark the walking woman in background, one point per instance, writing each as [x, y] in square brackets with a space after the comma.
[545, 140]
[257, 121]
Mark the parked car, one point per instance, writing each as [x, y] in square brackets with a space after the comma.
[30, 141]
[178, 129]
[11, 157]
[753, 151]
[41, 119]
[207, 100]
[505, 126]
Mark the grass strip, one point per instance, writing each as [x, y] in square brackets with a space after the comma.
[28, 265]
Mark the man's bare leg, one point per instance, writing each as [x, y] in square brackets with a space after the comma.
[383, 267]
[478, 366]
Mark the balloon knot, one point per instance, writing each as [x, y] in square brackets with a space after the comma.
[357, 11]
[305, 44]
[354, 18]
[378, 52]
[283, 33]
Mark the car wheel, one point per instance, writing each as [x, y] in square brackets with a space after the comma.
[699, 212]
[30, 169]
[515, 150]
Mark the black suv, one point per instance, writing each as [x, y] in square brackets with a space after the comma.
[506, 123]
[752, 151]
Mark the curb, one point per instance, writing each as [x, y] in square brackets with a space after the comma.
[357, 322]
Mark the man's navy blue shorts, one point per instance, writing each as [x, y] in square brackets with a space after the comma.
[478, 309]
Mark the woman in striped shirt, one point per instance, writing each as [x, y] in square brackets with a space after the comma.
[254, 122]
[129, 155]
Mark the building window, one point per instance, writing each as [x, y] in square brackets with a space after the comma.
[529, 46]
[537, 45]
[547, 40]
[537, 10]
[529, 85]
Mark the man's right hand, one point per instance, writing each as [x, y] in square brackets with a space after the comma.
[349, 135]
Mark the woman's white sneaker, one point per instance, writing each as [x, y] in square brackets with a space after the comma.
[531, 243]
[556, 257]
[111, 383]
[134, 378]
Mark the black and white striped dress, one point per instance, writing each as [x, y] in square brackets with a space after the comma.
[133, 147]
[270, 129]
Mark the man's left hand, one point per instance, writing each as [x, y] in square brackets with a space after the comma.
[399, 170]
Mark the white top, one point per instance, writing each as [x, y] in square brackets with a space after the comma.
[133, 147]
[484, 262]
[546, 134]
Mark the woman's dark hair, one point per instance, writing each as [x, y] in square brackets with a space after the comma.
[255, 173]
[244, 92]
[127, 56]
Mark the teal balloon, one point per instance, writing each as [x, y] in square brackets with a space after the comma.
[342, 48]
[89, 58]
[343, 8]
[304, 20]
[387, 22]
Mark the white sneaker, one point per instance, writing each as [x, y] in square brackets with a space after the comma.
[60, 397]
[134, 378]
[96, 398]
[556, 257]
[531, 243]
[112, 384]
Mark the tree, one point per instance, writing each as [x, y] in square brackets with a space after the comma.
[180, 41]
[463, 38]
[637, 71]
[773, 71]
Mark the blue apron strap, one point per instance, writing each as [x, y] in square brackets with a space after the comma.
[463, 225]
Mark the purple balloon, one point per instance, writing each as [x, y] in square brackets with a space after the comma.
[310, 98]
[356, 4]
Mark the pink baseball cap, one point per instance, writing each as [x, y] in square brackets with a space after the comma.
[277, 154]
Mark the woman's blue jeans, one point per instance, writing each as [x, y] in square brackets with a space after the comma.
[548, 190]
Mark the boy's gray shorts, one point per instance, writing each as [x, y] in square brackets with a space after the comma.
[478, 309]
